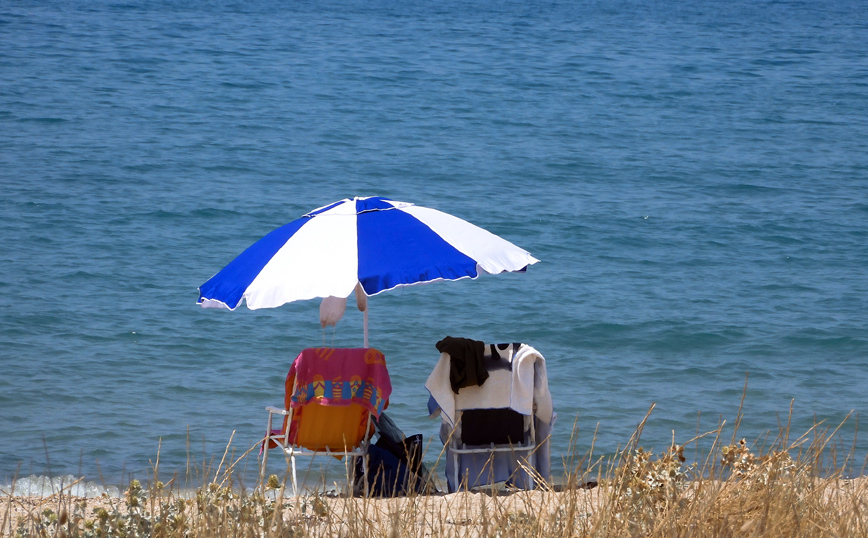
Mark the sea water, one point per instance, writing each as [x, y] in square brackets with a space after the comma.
[693, 177]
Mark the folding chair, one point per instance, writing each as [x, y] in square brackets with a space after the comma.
[331, 395]
[479, 457]
[497, 431]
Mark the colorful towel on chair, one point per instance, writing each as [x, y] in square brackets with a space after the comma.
[339, 377]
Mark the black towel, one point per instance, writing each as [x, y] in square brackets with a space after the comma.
[466, 366]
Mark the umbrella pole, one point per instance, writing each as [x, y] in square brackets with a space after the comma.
[365, 315]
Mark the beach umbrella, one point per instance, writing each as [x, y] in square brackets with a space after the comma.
[367, 245]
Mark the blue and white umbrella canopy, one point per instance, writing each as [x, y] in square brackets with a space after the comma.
[378, 243]
[369, 245]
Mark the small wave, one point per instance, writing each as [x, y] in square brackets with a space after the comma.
[247, 86]
[125, 6]
[227, 168]
[146, 167]
[827, 342]
[42, 120]
[213, 212]
[753, 188]
[180, 389]
[775, 63]
[81, 275]
[683, 339]
[801, 51]
[44, 486]
[163, 214]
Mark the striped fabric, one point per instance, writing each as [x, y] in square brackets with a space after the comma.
[378, 243]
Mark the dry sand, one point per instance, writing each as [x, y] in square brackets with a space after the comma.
[457, 514]
[438, 514]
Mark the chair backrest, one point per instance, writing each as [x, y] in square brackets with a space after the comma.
[332, 393]
[321, 427]
[499, 410]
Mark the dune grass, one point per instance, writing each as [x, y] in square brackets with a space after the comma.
[783, 488]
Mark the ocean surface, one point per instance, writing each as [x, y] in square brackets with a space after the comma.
[693, 177]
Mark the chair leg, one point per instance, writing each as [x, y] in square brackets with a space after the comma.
[455, 460]
[263, 468]
[365, 475]
[532, 463]
[294, 476]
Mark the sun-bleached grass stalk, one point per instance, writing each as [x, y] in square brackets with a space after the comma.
[776, 488]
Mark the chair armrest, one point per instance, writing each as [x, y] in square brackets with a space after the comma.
[277, 410]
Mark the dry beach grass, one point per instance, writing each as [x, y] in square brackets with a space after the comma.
[793, 488]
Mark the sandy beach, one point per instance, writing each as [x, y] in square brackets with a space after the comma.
[463, 513]
[788, 508]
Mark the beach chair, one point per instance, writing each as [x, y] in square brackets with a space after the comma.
[497, 431]
[331, 398]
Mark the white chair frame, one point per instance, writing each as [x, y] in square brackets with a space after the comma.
[293, 451]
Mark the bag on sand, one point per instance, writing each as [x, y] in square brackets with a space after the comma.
[394, 468]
